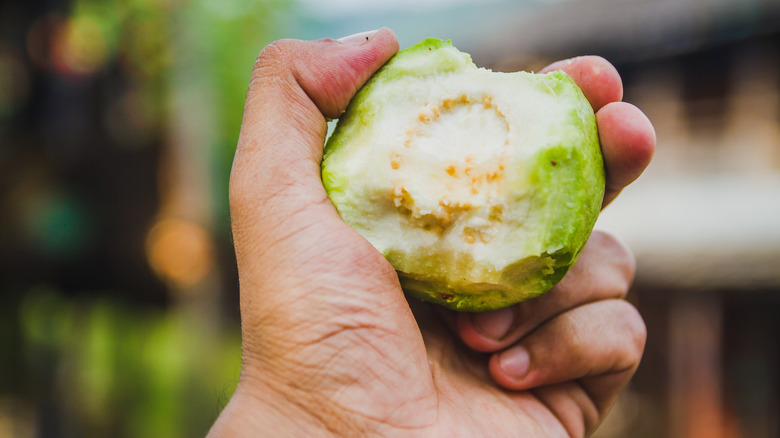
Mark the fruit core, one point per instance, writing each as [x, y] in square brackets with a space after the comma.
[448, 176]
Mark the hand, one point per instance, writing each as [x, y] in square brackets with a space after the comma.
[331, 345]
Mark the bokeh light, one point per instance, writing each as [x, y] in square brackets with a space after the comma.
[79, 46]
[39, 39]
[180, 252]
[16, 419]
[56, 223]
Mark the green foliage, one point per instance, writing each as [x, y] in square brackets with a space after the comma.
[123, 371]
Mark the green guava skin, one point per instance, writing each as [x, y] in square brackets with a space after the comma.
[549, 201]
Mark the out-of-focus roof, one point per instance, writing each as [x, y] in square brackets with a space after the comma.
[632, 29]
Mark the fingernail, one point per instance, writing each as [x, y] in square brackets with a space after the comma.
[494, 325]
[358, 38]
[515, 362]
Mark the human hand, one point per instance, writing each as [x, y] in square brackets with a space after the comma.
[330, 343]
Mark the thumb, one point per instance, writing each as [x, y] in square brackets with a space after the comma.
[294, 86]
[304, 274]
[275, 183]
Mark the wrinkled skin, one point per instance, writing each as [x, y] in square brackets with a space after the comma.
[331, 347]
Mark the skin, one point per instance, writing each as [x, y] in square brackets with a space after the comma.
[331, 347]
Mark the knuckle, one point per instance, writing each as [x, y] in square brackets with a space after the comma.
[275, 58]
[274, 52]
[619, 256]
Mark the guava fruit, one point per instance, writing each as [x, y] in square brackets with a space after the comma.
[480, 188]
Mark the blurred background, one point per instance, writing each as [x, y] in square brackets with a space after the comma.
[118, 122]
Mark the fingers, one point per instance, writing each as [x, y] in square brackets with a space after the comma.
[594, 339]
[626, 134]
[604, 270]
[598, 345]
[575, 347]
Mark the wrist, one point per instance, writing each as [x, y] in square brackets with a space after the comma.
[258, 411]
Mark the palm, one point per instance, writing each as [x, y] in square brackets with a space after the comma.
[378, 364]
[463, 399]
[425, 378]
[431, 381]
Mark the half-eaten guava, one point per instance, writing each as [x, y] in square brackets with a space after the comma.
[480, 188]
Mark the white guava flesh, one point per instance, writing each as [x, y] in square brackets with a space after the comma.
[480, 188]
